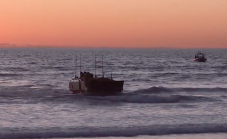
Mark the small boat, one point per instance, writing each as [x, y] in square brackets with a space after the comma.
[200, 57]
[89, 84]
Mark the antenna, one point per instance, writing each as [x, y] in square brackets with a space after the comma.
[75, 66]
[80, 63]
[102, 67]
[95, 65]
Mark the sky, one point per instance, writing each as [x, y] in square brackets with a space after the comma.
[114, 23]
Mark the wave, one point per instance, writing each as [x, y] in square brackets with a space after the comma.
[60, 68]
[130, 98]
[150, 95]
[161, 89]
[47, 95]
[141, 99]
[163, 95]
[117, 131]
[8, 74]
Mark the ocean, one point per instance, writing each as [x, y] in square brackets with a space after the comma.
[166, 94]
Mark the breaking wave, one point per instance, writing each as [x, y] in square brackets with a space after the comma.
[161, 89]
[163, 95]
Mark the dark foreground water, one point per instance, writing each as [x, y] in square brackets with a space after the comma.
[165, 92]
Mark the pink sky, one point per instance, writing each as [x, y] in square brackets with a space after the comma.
[114, 23]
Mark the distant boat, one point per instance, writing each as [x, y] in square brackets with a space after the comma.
[200, 57]
[89, 84]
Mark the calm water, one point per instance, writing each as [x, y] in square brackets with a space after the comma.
[165, 92]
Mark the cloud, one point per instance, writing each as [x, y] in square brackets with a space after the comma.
[4, 44]
[7, 45]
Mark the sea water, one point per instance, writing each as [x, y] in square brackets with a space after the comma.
[165, 93]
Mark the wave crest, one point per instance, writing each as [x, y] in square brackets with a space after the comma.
[161, 89]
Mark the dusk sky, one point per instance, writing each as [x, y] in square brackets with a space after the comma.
[114, 23]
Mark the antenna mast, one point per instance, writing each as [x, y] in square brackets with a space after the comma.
[75, 66]
[95, 65]
[80, 63]
[102, 67]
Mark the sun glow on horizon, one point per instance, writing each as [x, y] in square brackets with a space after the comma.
[102, 23]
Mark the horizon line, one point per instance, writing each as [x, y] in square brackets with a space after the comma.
[8, 45]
